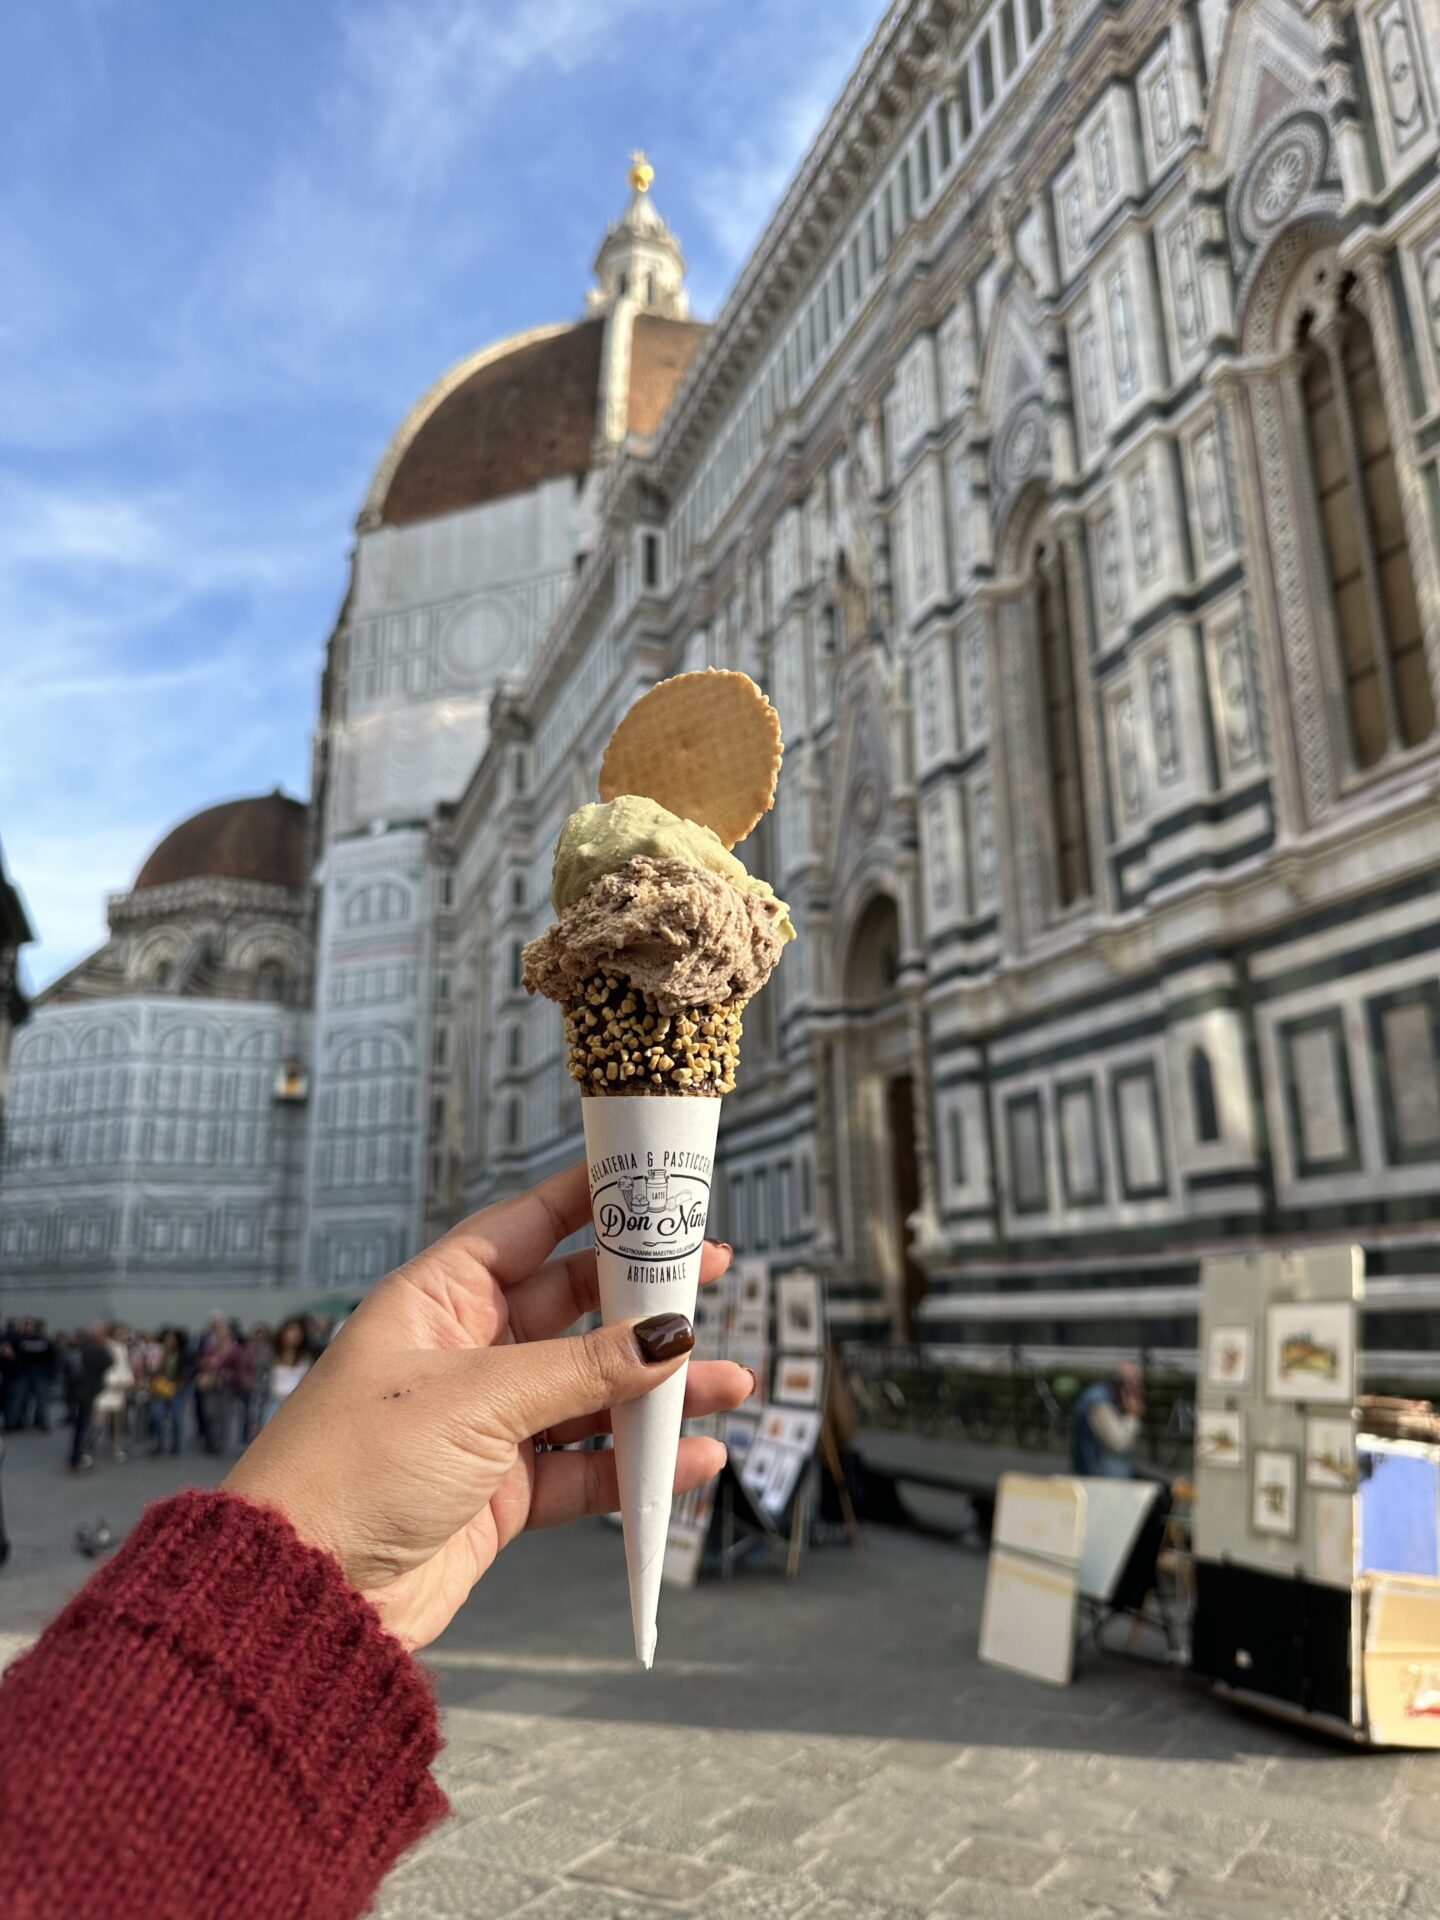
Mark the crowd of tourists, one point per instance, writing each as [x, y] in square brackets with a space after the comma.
[122, 1392]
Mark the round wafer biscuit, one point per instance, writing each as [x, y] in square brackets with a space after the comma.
[704, 745]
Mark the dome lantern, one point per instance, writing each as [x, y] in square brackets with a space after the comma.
[640, 259]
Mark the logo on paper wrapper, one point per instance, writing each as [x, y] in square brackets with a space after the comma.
[651, 1206]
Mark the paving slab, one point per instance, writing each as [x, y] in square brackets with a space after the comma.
[823, 1749]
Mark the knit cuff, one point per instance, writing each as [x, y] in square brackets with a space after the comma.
[343, 1715]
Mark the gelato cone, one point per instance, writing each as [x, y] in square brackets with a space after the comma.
[650, 1163]
[662, 937]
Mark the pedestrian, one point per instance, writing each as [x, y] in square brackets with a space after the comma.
[242, 1668]
[1107, 1423]
[293, 1361]
[144, 1358]
[94, 1362]
[9, 1374]
[68, 1347]
[167, 1384]
[254, 1375]
[211, 1391]
[35, 1352]
[114, 1402]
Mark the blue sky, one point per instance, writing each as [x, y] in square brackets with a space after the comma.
[238, 243]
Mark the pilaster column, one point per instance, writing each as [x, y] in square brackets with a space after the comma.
[828, 1237]
[1342, 104]
[927, 1215]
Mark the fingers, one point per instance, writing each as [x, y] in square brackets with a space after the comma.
[531, 1386]
[564, 1290]
[568, 1485]
[711, 1386]
[512, 1238]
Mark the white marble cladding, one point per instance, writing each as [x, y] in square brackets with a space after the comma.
[443, 614]
[370, 1110]
[146, 1142]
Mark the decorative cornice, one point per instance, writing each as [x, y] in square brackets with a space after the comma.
[182, 899]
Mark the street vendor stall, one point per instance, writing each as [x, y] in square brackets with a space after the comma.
[1315, 1538]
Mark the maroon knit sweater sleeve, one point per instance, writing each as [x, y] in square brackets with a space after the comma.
[215, 1725]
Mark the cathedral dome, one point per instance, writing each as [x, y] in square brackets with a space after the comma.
[261, 838]
[520, 413]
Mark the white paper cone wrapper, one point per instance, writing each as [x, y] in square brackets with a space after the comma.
[650, 1163]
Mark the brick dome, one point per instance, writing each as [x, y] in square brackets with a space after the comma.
[524, 412]
[261, 838]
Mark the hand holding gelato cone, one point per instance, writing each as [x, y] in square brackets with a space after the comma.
[662, 938]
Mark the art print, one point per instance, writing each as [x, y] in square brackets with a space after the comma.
[1310, 1351]
[1219, 1439]
[1228, 1359]
[800, 1311]
[1330, 1452]
[799, 1379]
[1274, 1507]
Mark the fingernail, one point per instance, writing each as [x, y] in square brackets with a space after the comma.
[722, 1246]
[664, 1336]
[754, 1383]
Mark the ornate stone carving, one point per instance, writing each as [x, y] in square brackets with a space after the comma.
[1297, 629]
[1164, 124]
[1127, 755]
[984, 825]
[1234, 680]
[1102, 162]
[1284, 183]
[1091, 384]
[1111, 568]
[1124, 346]
[1184, 287]
[1142, 528]
[1163, 730]
[1022, 449]
[1405, 92]
[1212, 501]
[976, 690]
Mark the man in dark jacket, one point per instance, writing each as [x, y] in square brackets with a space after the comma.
[36, 1355]
[93, 1357]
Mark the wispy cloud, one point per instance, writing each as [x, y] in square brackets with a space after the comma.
[420, 71]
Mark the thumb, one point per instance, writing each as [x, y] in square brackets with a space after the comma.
[537, 1384]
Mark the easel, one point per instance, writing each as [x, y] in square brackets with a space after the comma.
[759, 1526]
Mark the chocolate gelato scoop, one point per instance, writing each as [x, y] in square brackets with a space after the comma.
[680, 933]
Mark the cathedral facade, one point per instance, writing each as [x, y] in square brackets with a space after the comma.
[1063, 464]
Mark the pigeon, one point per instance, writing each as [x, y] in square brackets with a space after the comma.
[92, 1538]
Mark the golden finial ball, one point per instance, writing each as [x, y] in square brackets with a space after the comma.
[641, 173]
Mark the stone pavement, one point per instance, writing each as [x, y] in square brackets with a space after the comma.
[830, 1750]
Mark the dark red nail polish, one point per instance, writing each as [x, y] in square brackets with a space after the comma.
[664, 1336]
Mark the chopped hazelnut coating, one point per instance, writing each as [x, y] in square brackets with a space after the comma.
[621, 1043]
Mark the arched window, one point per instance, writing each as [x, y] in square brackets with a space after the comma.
[1062, 736]
[1388, 699]
[161, 975]
[1202, 1096]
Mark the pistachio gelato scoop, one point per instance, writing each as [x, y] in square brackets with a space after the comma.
[603, 837]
